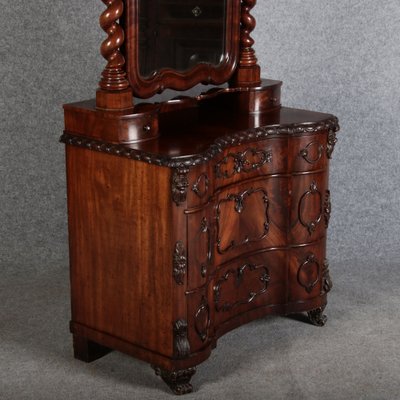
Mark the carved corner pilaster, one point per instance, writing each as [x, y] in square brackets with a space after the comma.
[181, 341]
[179, 263]
[178, 381]
[332, 140]
[326, 285]
[327, 208]
[179, 185]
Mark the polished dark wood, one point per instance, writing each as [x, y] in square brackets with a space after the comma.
[191, 217]
[177, 240]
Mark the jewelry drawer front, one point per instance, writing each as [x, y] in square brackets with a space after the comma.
[249, 161]
[308, 272]
[248, 283]
[310, 207]
[250, 216]
[308, 153]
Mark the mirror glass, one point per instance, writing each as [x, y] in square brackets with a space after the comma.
[179, 34]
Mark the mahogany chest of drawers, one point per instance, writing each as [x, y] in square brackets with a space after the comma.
[176, 241]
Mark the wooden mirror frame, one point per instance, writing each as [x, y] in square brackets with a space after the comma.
[206, 73]
[118, 84]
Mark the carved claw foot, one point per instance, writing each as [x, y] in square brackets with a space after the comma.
[178, 381]
[317, 317]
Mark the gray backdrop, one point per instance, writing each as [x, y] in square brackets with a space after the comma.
[341, 57]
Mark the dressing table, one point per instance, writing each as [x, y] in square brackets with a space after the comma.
[190, 217]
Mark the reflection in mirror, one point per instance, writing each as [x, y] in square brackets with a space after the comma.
[178, 34]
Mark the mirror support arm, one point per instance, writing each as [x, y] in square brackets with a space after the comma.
[114, 92]
[248, 73]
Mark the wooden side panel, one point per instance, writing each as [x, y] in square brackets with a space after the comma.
[121, 250]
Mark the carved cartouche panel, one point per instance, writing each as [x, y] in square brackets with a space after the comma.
[242, 285]
[246, 161]
[311, 192]
[232, 208]
[308, 273]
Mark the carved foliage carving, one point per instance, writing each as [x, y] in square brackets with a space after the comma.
[179, 263]
[327, 208]
[114, 75]
[332, 140]
[310, 225]
[239, 276]
[181, 342]
[238, 201]
[305, 153]
[180, 184]
[202, 319]
[308, 273]
[200, 187]
[245, 161]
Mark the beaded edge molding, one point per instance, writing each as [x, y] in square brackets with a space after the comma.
[331, 125]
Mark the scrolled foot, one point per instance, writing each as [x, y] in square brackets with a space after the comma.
[317, 317]
[178, 381]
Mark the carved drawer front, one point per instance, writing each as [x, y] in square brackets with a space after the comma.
[249, 161]
[200, 246]
[200, 319]
[308, 153]
[310, 207]
[248, 283]
[308, 272]
[250, 216]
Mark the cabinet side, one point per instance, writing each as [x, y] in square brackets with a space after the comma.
[120, 251]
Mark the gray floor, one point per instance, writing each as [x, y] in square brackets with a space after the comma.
[356, 356]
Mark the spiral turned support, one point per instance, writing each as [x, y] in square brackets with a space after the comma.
[114, 75]
[248, 71]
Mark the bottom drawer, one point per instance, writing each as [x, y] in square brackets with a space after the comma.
[248, 283]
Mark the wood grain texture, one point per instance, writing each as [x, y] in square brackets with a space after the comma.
[121, 278]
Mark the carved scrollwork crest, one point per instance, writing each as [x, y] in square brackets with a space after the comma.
[308, 273]
[310, 225]
[181, 342]
[246, 161]
[239, 204]
[180, 184]
[179, 263]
